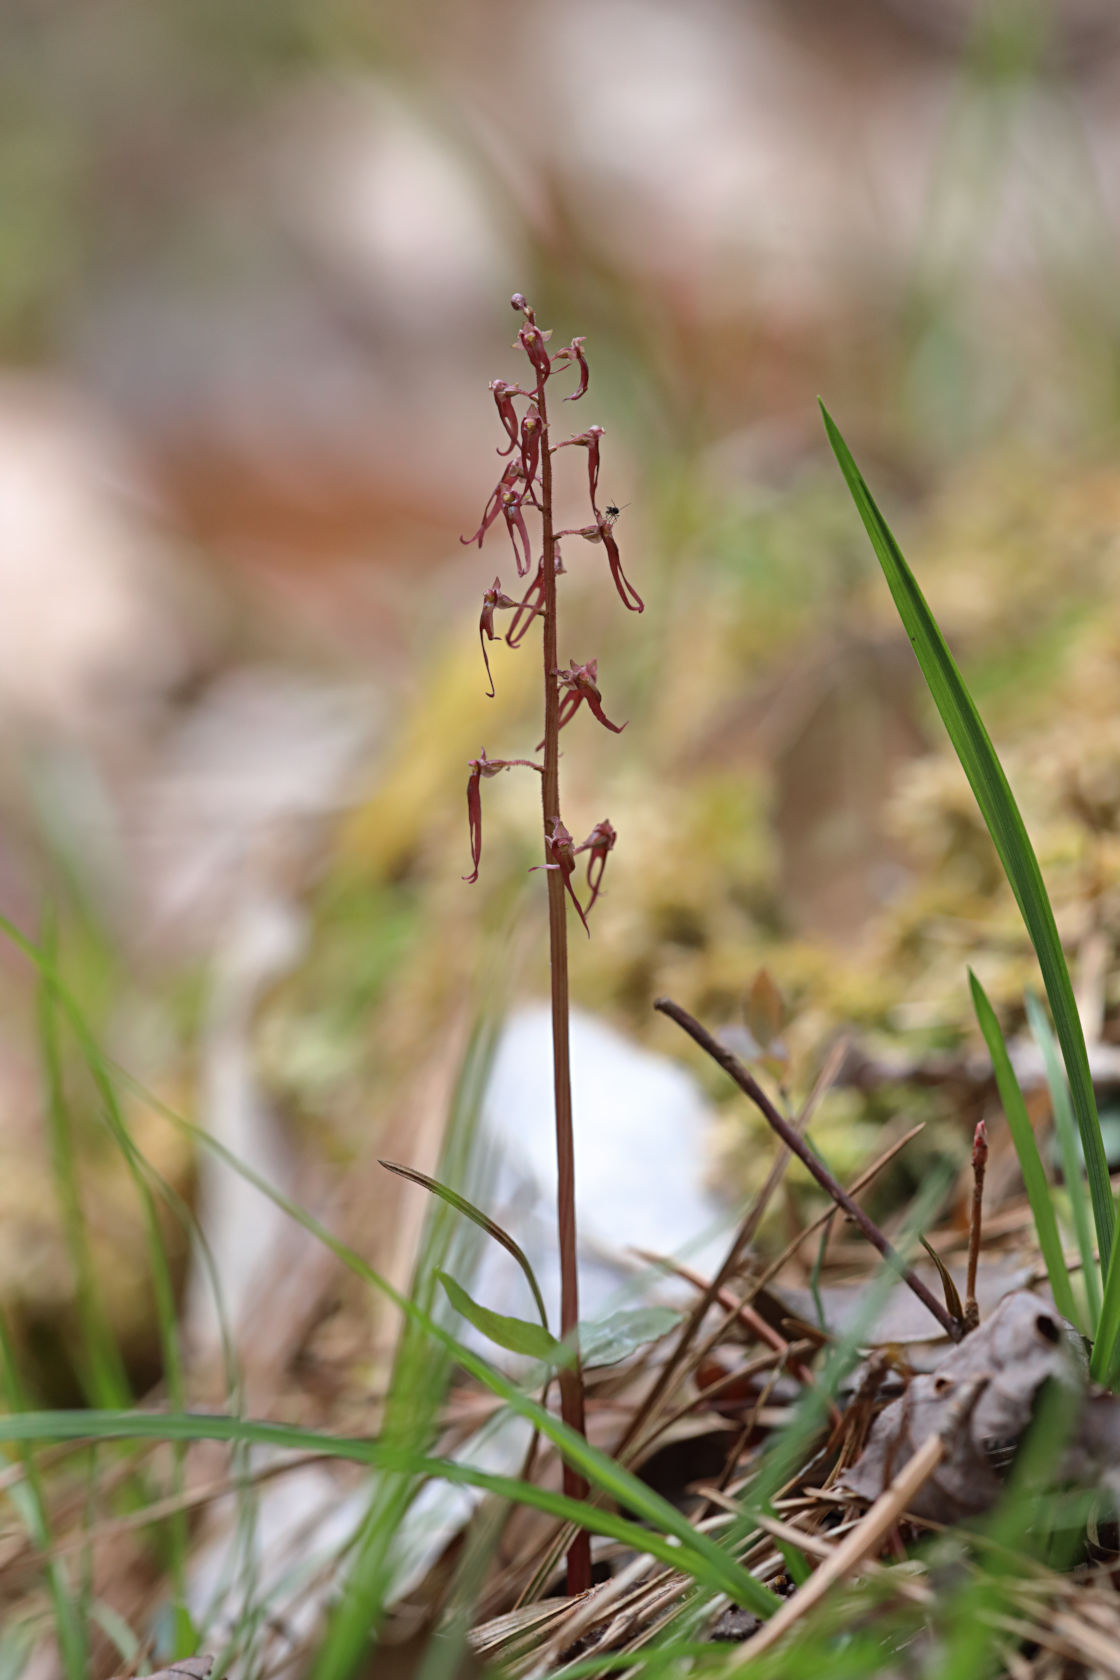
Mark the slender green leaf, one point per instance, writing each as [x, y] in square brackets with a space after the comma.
[1026, 1148]
[1005, 825]
[1072, 1166]
[516, 1335]
[483, 1220]
[671, 1538]
[1104, 1366]
[30, 1503]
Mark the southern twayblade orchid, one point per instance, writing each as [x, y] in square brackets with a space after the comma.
[479, 767]
[588, 440]
[526, 485]
[599, 842]
[581, 683]
[492, 600]
[562, 856]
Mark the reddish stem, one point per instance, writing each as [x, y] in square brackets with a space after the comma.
[571, 1376]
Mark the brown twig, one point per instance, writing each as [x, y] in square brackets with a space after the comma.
[979, 1167]
[746, 1082]
[668, 1377]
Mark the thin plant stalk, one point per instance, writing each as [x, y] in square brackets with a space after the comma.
[571, 1376]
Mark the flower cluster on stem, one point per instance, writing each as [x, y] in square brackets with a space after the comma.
[525, 484]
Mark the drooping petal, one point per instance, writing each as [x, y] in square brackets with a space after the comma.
[588, 440]
[599, 843]
[573, 352]
[504, 394]
[628, 595]
[494, 506]
[492, 600]
[517, 528]
[474, 817]
[479, 767]
[562, 853]
[527, 609]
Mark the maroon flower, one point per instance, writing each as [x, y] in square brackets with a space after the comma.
[516, 526]
[599, 842]
[504, 394]
[533, 341]
[589, 440]
[528, 608]
[581, 682]
[573, 352]
[490, 512]
[627, 594]
[479, 767]
[492, 600]
[530, 444]
[562, 853]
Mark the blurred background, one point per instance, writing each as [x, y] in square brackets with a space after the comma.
[255, 263]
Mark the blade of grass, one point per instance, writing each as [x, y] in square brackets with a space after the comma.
[482, 1220]
[1072, 1170]
[101, 1368]
[670, 1538]
[30, 1501]
[1104, 1365]
[1026, 1148]
[997, 805]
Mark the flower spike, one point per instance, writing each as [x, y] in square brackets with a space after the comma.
[479, 767]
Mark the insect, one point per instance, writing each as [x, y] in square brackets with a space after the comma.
[611, 512]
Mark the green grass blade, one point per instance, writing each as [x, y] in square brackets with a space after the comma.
[1005, 825]
[29, 1501]
[1026, 1148]
[462, 1205]
[1103, 1366]
[1072, 1168]
[670, 1538]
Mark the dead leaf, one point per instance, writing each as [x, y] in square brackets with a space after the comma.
[764, 1010]
[187, 1668]
[979, 1398]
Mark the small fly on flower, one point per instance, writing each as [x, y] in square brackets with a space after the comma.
[611, 511]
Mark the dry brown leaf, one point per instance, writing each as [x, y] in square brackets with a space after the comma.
[187, 1668]
[979, 1398]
